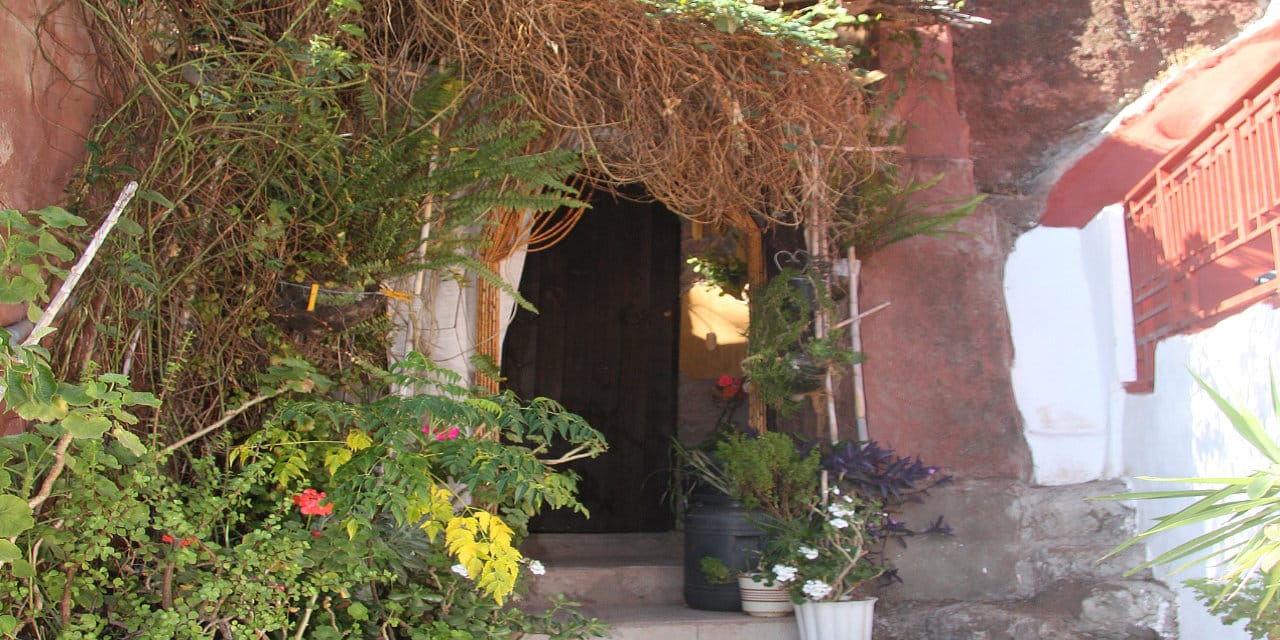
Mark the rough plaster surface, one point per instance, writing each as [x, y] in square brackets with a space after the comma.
[46, 78]
[1178, 431]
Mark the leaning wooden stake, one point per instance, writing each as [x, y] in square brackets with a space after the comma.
[46, 320]
[73, 277]
[855, 334]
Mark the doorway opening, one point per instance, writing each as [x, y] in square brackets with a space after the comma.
[604, 344]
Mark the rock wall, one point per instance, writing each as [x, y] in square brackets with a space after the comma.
[1043, 76]
[1023, 96]
[47, 87]
[1024, 564]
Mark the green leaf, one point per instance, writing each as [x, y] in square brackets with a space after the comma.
[23, 569]
[358, 611]
[82, 427]
[59, 218]
[128, 227]
[19, 290]
[142, 398]
[7, 624]
[15, 516]
[357, 440]
[156, 197]
[51, 246]
[114, 378]
[1260, 486]
[336, 457]
[39, 334]
[1246, 424]
[129, 441]
[37, 411]
[9, 551]
[12, 217]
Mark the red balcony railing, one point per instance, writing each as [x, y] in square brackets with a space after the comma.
[1202, 226]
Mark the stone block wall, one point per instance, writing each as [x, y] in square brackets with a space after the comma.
[1024, 563]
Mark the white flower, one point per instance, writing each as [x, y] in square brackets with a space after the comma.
[784, 573]
[816, 589]
[808, 552]
[838, 509]
[536, 568]
[460, 570]
[838, 523]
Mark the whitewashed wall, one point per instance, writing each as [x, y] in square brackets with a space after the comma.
[1071, 320]
[1178, 431]
[1067, 291]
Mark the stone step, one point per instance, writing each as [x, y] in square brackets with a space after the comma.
[677, 622]
[610, 582]
[583, 548]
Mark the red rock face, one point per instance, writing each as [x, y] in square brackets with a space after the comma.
[937, 370]
[1041, 79]
[1043, 74]
[45, 111]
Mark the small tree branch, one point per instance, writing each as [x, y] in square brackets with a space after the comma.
[256, 400]
[59, 463]
[576, 453]
[46, 319]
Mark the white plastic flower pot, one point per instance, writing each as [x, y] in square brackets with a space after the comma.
[849, 620]
[760, 599]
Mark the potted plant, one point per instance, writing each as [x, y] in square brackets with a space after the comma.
[784, 359]
[776, 479]
[735, 490]
[831, 557]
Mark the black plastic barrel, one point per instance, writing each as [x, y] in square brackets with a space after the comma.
[721, 531]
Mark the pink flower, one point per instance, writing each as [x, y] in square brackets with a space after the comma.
[441, 433]
[309, 503]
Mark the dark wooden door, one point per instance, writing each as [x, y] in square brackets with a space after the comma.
[604, 345]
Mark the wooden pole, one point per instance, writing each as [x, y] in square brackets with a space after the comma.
[855, 334]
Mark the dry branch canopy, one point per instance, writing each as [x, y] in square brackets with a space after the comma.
[718, 126]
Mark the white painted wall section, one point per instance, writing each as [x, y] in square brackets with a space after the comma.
[1178, 431]
[1067, 295]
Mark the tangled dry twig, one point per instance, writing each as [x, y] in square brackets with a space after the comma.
[715, 125]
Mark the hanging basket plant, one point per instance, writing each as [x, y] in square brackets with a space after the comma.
[784, 359]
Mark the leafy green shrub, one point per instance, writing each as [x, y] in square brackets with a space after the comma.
[332, 520]
[408, 533]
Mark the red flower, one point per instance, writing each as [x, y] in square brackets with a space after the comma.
[730, 387]
[166, 538]
[309, 503]
[316, 534]
[186, 542]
